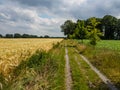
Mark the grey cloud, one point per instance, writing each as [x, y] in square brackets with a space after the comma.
[96, 8]
[25, 20]
[56, 7]
[87, 9]
[26, 15]
[16, 14]
[40, 3]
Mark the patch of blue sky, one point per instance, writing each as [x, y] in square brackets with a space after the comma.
[2, 1]
[45, 16]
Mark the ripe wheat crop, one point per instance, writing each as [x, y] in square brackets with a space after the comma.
[13, 51]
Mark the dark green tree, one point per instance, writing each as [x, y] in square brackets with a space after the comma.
[68, 28]
[80, 31]
[17, 35]
[9, 35]
[1, 36]
[25, 36]
[117, 31]
[110, 23]
[46, 36]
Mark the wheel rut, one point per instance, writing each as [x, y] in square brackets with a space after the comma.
[68, 77]
[103, 77]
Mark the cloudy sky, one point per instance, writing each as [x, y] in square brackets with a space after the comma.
[44, 17]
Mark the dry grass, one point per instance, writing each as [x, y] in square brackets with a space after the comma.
[13, 51]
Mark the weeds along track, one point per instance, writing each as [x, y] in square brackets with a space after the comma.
[103, 77]
[104, 57]
[83, 77]
[87, 72]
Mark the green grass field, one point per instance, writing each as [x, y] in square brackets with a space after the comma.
[108, 44]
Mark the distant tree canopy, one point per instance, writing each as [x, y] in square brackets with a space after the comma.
[80, 31]
[110, 23]
[107, 27]
[17, 35]
[46, 36]
[1, 36]
[9, 35]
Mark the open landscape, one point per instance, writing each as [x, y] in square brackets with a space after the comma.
[59, 45]
[37, 66]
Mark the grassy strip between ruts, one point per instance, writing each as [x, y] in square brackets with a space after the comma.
[83, 77]
[42, 71]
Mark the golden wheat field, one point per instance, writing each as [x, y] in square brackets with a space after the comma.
[13, 51]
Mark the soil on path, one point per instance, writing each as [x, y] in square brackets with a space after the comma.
[68, 77]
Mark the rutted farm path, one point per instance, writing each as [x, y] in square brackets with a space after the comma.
[67, 72]
[69, 83]
[103, 77]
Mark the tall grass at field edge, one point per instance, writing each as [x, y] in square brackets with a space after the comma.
[105, 59]
[43, 70]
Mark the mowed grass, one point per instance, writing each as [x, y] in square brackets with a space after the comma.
[13, 51]
[108, 44]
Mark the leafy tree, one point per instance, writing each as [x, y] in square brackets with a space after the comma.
[117, 31]
[9, 35]
[110, 24]
[41, 37]
[1, 36]
[80, 31]
[33, 36]
[68, 28]
[94, 33]
[25, 36]
[17, 35]
[46, 36]
[99, 26]
[29, 36]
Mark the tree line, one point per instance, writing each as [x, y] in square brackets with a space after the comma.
[107, 28]
[17, 35]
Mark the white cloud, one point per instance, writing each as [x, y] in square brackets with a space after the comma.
[17, 19]
[73, 2]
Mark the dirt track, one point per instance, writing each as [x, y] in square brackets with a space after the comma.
[103, 77]
[68, 77]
